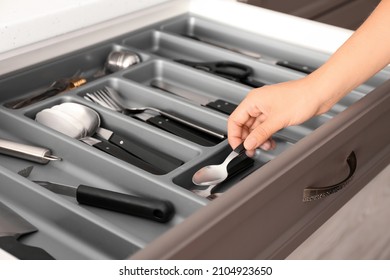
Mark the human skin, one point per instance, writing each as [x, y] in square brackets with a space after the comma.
[270, 108]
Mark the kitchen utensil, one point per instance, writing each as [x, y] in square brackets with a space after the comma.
[27, 152]
[177, 129]
[215, 174]
[218, 105]
[284, 63]
[89, 116]
[57, 87]
[109, 98]
[119, 60]
[206, 193]
[153, 209]
[12, 227]
[72, 127]
[227, 69]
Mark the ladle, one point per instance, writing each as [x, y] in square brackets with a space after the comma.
[215, 174]
[67, 120]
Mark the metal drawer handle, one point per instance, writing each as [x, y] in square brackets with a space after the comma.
[315, 193]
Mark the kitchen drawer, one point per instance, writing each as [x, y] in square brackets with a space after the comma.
[260, 213]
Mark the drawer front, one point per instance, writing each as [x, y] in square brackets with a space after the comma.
[265, 216]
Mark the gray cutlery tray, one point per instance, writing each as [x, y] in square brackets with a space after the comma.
[68, 230]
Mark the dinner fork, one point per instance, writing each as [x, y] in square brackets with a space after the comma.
[110, 99]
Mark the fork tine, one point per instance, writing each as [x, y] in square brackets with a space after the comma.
[108, 97]
[94, 98]
[101, 97]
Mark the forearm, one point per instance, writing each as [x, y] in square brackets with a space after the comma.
[365, 53]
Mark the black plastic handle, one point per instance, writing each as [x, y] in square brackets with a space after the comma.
[154, 157]
[123, 155]
[314, 193]
[21, 251]
[222, 106]
[183, 132]
[296, 66]
[153, 209]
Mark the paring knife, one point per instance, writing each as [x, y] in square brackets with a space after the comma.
[218, 105]
[153, 209]
[283, 63]
[177, 129]
[12, 227]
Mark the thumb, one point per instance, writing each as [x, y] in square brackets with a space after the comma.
[260, 134]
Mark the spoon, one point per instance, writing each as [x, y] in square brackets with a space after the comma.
[215, 174]
[81, 122]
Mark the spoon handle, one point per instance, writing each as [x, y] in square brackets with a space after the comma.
[240, 148]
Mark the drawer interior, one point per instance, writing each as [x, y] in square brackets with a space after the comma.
[70, 230]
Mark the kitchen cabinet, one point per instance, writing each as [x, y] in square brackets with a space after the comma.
[261, 213]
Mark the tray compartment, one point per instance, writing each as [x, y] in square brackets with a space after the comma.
[130, 129]
[135, 95]
[269, 50]
[175, 47]
[62, 231]
[86, 63]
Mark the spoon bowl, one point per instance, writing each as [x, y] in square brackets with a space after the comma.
[215, 174]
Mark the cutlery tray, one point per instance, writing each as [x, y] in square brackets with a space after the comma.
[68, 230]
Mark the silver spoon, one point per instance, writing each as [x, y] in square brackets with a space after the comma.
[215, 174]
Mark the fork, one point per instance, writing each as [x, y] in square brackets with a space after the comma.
[110, 99]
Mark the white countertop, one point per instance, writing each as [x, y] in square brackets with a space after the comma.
[42, 22]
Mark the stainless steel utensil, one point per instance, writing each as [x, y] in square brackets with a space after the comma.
[57, 87]
[207, 193]
[110, 99]
[70, 125]
[88, 116]
[218, 105]
[149, 208]
[12, 227]
[215, 174]
[266, 59]
[27, 152]
[119, 60]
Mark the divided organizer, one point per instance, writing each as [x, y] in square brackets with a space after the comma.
[68, 230]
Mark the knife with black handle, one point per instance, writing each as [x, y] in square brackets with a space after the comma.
[121, 154]
[218, 104]
[149, 208]
[178, 129]
[152, 156]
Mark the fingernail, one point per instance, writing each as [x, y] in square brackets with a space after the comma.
[265, 146]
[250, 143]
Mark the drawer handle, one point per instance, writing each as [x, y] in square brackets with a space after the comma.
[315, 193]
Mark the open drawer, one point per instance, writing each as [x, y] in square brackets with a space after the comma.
[261, 212]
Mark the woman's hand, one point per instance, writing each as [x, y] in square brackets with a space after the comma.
[268, 109]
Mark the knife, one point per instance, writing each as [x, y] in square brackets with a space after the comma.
[177, 129]
[12, 227]
[119, 153]
[154, 157]
[153, 209]
[218, 105]
[283, 63]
